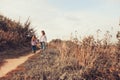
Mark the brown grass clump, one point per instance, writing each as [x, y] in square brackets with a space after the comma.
[99, 61]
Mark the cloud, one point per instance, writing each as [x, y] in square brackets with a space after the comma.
[113, 0]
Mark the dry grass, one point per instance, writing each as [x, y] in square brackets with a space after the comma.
[66, 60]
[99, 61]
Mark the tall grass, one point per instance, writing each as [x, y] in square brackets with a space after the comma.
[68, 60]
[99, 60]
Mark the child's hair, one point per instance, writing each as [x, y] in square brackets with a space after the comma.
[33, 37]
[43, 32]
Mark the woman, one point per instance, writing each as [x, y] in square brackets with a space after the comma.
[43, 40]
[34, 43]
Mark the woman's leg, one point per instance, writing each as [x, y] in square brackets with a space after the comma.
[41, 46]
[44, 47]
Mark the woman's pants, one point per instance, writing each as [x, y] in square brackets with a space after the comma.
[43, 46]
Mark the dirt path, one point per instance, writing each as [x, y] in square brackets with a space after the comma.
[12, 64]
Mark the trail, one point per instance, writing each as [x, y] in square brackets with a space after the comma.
[12, 64]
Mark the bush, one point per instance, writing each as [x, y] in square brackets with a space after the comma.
[13, 34]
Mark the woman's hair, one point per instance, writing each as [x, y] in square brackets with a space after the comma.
[43, 32]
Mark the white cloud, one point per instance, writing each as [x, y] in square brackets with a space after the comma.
[113, 0]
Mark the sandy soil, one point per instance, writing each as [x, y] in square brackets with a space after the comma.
[12, 64]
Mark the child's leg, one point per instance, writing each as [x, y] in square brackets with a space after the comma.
[34, 48]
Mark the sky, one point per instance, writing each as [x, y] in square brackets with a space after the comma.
[60, 18]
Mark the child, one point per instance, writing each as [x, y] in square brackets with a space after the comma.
[34, 43]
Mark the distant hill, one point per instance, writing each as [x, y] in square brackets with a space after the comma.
[13, 34]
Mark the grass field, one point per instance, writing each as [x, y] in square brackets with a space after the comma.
[66, 60]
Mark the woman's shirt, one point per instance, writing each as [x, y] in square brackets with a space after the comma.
[43, 38]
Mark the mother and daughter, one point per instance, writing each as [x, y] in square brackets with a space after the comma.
[42, 41]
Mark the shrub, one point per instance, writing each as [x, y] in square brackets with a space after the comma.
[13, 34]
